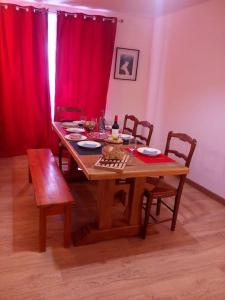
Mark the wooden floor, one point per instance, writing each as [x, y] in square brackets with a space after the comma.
[186, 264]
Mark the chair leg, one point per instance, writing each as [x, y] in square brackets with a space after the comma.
[121, 196]
[177, 202]
[42, 229]
[147, 213]
[67, 225]
[158, 206]
[175, 213]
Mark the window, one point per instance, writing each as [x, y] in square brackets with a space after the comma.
[52, 19]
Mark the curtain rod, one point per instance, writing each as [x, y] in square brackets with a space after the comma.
[53, 10]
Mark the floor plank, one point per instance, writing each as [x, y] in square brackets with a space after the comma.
[186, 264]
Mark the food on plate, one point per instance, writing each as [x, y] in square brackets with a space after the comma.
[75, 136]
[113, 152]
[115, 139]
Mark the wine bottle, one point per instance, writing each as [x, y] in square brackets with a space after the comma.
[115, 127]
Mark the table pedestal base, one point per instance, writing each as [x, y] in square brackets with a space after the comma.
[90, 234]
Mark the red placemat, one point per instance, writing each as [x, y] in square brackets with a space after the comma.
[161, 158]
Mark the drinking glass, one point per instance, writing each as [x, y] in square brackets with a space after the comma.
[83, 118]
[108, 125]
[133, 143]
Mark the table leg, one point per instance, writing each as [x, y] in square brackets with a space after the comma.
[105, 196]
[104, 229]
[72, 165]
[135, 201]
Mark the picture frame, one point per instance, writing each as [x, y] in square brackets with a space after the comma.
[126, 64]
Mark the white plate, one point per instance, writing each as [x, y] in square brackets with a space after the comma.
[75, 137]
[89, 144]
[81, 122]
[76, 123]
[126, 136]
[108, 127]
[67, 124]
[78, 130]
[148, 151]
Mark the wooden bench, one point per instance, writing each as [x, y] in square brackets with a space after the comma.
[51, 192]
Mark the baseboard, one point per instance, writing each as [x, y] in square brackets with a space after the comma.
[205, 191]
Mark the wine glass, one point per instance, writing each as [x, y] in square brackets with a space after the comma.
[133, 143]
[83, 118]
[108, 125]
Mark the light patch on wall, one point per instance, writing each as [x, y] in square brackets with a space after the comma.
[82, 7]
[51, 57]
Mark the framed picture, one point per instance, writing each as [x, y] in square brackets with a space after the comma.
[126, 64]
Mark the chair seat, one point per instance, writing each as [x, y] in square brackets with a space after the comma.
[162, 189]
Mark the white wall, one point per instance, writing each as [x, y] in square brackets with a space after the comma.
[125, 96]
[187, 86]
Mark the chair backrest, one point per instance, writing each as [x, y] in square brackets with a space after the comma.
[145, 128]
[182, 137]
[130, 128]
[62, 112]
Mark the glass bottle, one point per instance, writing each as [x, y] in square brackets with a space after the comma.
[115, 127]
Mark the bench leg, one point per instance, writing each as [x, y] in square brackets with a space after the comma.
[67, 225]
[42, 229]
[29, 176]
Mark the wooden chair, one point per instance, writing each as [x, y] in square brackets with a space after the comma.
[130, 128]
[162, 189]
[143, 132]
[61, 112]
[123, 185]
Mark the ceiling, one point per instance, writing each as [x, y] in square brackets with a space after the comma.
[138, 8]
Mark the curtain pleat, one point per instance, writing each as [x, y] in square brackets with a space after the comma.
[25, 113]
[83, 61]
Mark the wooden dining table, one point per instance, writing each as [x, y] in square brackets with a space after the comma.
[137, 171]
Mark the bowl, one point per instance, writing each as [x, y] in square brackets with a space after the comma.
[89, 125]
[114, 140]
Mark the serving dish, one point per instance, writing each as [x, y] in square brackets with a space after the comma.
[148, 151]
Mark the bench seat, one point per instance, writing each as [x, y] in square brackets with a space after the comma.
[52, 193]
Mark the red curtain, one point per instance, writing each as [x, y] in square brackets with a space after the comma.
[25, 115]
[83, 61]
